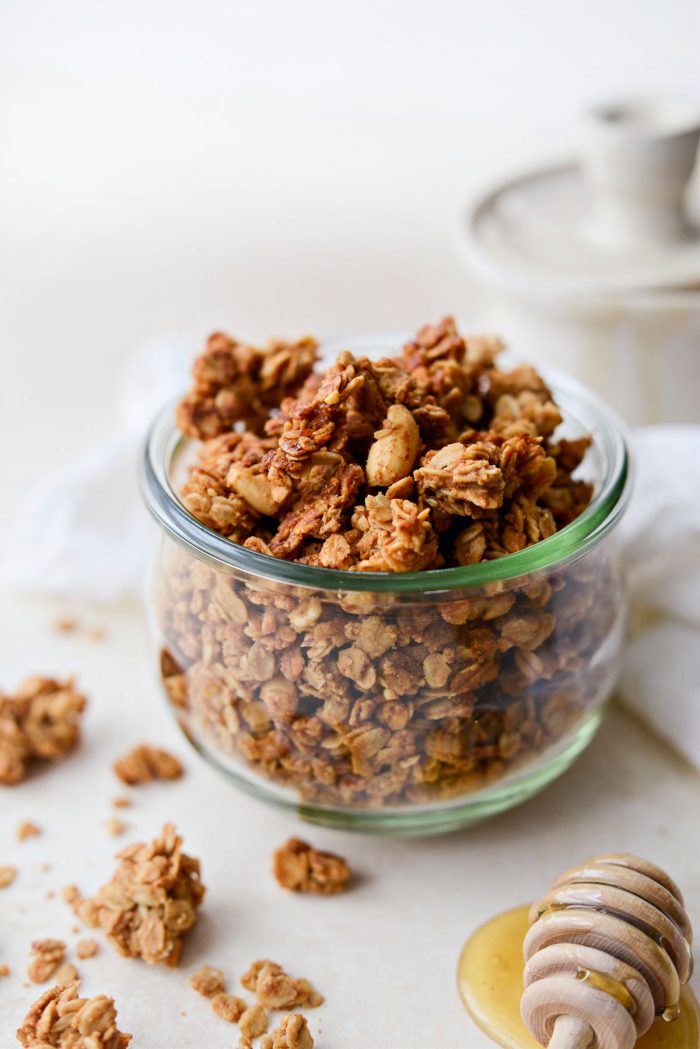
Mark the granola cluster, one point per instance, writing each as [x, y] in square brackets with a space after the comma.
[144, 763]
[300, 867]
[62, 1020]
[40, 721]
[151, 901]
[431, 459]
[434, 459]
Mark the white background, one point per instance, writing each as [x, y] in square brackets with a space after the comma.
[272, 168]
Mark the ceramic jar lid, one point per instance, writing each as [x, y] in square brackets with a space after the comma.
[615, 221]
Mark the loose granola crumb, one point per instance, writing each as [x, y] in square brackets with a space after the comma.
[253, 1022]
[27, 830]
[228, 1006]
[65, 625]
[62, 1020]
[145, 763]
[115, 827]
[301, 868]
[208, 981]
[70, 894]
[66, 975]
[121, 802]
[150, 903]
[87, 948]
[276, 990]
[7, 876]
[5, 970]
[41, 721]
[292, 1033]
[49, 955]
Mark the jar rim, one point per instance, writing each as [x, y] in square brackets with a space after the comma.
[163, 442]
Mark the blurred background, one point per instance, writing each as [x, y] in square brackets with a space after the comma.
[269, 168]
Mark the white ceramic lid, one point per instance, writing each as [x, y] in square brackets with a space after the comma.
[616, 221]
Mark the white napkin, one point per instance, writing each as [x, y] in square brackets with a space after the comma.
[83, 533]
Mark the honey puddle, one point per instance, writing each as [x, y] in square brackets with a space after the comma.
[490, 983]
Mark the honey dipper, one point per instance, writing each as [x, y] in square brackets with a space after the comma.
[607, 950]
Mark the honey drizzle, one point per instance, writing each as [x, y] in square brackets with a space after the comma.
[611, 986]
[490, 984]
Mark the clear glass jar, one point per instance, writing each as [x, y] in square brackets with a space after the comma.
[412, 703]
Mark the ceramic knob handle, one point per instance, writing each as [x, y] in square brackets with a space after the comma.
[638, 158]
[607, 950]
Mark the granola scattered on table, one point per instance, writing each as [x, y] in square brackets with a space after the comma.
[292, 1033]
[301, 868]
[275, 989]
[150, 903]
[49, 955]
[144, 763]
[62, 1020]
[40, 721]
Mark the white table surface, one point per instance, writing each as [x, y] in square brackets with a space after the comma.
[384, 954]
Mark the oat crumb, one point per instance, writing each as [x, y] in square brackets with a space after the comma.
[27, 829]
[65, 625]
[253, 1021]
[66, 975]
[49, 955]
[145, 763]
[86, 948]
[292, 1033]
[276, 990]
[5, 970]
[299, 867]
[115, 827]
[61, 1020]
[228, 1006]
[7, 876]
[70, 894]
[208, 981]
[121, 802]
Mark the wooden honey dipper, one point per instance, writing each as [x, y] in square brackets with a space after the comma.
[607, 950]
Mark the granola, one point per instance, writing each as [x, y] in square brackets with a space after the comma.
[274, 989]
[301, 868]
[151, 901]
[434, 459]
[49, 955]
[228, 1006]
[7, 876]
[144, 763]
[208, 981]
[292, 1033]
[40, 721]
[62, 1020]
[253, 1021]
[87, 948]
[26, 829]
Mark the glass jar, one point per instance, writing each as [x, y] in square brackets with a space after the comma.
[410, 703]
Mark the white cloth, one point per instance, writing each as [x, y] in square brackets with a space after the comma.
[84, 533]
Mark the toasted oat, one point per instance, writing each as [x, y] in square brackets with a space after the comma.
[87, 948]
[40, 721]
[49, 956]
[70, 894]
[7, 876]
[61, 1020]
[208, 981]
[228, 1006]
[150, 903]
[292, 1033]
[5, 970]
[301, 868]
[121, 802]
[115, 827]
[27, 830]
[65, 625]
[145, 763]
[253, 1021]
[66, 975]
[276, 990]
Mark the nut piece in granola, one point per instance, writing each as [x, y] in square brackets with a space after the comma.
[40, 721]
[208, 981]
[301, 868]
[61, 1020]
[228, 1006]
[145, 763]
[253, 1021]
[49, 955]
[151, 901]
[292, 1033]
